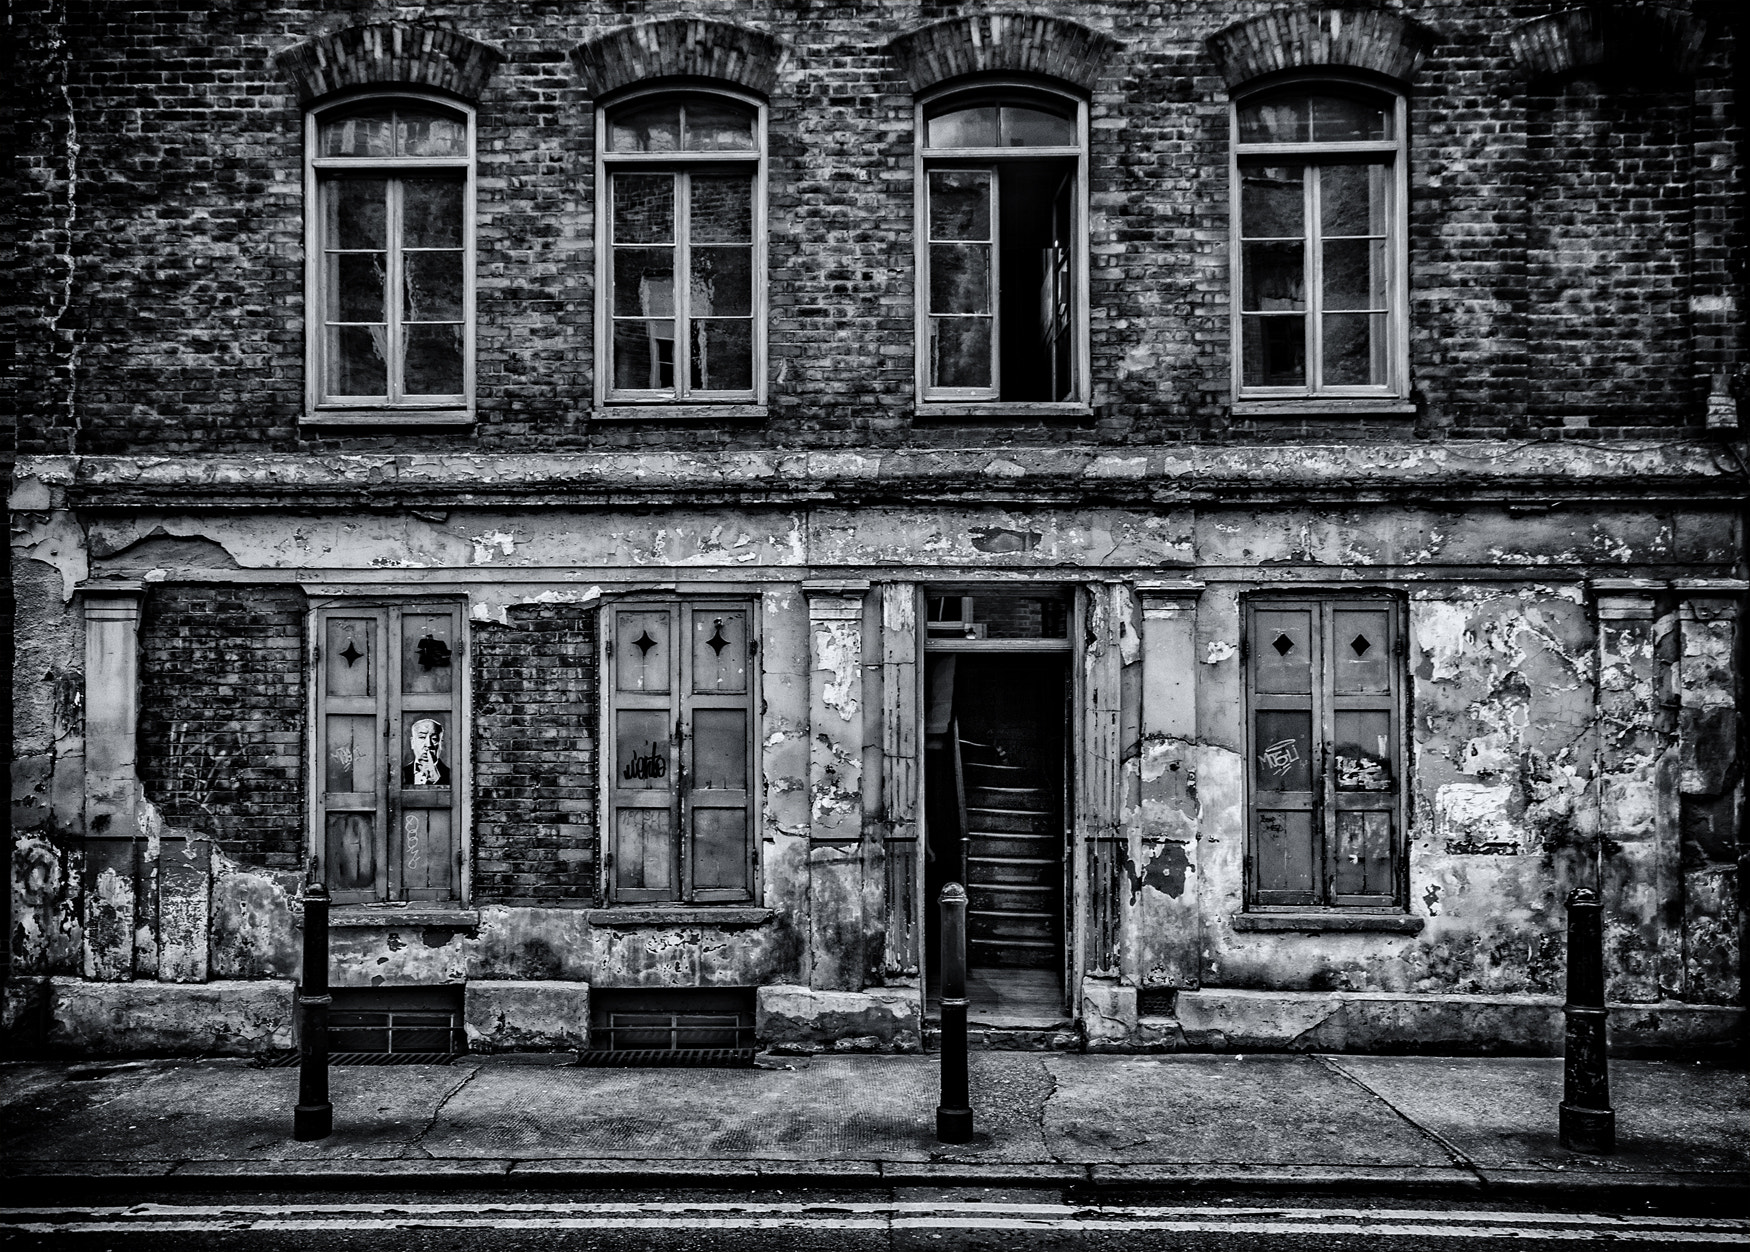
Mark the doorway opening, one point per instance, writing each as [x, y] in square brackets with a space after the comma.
[996, 795]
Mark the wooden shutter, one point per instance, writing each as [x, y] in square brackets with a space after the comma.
[1325, 778]
[680, 824]
[424, 848]
[350, 730]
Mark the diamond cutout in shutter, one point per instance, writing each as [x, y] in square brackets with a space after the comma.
[1283, 645]
[717, 642]
[1360, 645]
[644, 643]
[351, 653]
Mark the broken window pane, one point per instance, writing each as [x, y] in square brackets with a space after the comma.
[718, 126]
[1274, 351]
[960, 353]
[656, 128]
[434, 363]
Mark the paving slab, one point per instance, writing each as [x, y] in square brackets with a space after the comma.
[1501, 1113]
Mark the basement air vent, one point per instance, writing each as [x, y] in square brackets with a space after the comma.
[671, 1027]
[1157, 1002]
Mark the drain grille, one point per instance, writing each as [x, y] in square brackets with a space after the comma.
[667, 1058]
[283, 1060]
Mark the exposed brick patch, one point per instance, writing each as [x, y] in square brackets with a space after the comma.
[534, 757]
[1295, 38]
[390, 53]
[679, 48]
[222, 701]
[1008, 43]
[1645, 36]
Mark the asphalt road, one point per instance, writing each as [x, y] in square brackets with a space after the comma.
[1014, 1221]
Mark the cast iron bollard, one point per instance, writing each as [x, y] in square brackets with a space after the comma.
[314, 1116]
[1587, 1122]
[954, 1113]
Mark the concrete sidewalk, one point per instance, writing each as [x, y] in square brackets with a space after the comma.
[1286, 1122]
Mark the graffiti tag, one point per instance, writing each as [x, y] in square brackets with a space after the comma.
[1281, 756]
[645, 765]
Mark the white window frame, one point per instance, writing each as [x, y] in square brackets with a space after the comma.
[976, 402]
[462, 734]
[319, 407]
[1395, 392]
[611, 403]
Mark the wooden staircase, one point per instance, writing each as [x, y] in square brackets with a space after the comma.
[1014, 863]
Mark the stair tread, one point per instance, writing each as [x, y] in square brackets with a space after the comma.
[1018, 943]
[1016, 913]
[1013, 860]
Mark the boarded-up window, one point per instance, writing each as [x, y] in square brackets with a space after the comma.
[390, 761]
[1324, 773]
[680, 825]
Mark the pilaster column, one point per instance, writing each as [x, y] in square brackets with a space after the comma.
[112, 787]
[835, 783]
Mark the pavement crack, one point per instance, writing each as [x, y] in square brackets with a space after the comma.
[1451, 1149]
[1050, 1095]
[414, 1145]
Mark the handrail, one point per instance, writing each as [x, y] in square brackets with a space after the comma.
[959, 795]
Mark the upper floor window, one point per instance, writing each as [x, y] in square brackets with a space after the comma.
[1001, 248]
[390, 261]
[1319, 266]
[682, 249]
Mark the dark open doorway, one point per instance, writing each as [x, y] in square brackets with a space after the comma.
[995, 799]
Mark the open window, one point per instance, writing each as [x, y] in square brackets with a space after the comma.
[1319, 269]
[1002, 250]
[1325, 777]
[682, 250]
[390, 261]
[391, 761]
[679, 773]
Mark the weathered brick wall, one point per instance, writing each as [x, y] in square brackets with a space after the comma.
[534, 757]
[171, 320]
[222, 712]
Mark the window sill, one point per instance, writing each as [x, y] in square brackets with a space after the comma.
[680, 915]
[702, 411]
[388, 417]
[1002, 408]
[1334, 406]
[1316, 923]
[361, 916]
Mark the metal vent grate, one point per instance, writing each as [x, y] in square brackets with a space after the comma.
[667, 1058]
[1157, 1002]
[284, 1060]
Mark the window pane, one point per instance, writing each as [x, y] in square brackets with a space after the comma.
[644, 355]
[350, 851]
[959, 278]
[1273, 202]
[431, 212]
[355, 286]
[1285, 851]
[434, 286]
[722, 355]
[1282, 749]
[1274, 277]
[1338, 118]
[722, 282]
[960, 351]
[959, 204]
[358, 361]
[1361, 741]
[655, 129]
[356, 215]
[644, 282]
[1352, 199]
[722, 208]
[641, 750]
[1274, 351]
[712, 126]
[643, 208]
[719, 749]
[1364, 854]
[367, 134]
[433, 364]
[1354, 274]
[427, 657]
[1036, 128]
[1354, 353]
[964, 128]
[430, 134]
[1282, 120]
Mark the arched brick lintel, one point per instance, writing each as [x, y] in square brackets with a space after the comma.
[680, 47]
[1307, 36]
[385, 53]
[997, 43]
[1628, 36]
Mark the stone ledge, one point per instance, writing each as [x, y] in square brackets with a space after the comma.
[229, 1018]
[1318, 923]
[700, 916]
[361, 916]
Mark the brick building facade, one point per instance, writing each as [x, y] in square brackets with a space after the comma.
[634, 497]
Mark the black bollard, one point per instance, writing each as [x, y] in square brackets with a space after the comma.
[1587, 1122]
[314, 1116]
[954, 1113]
